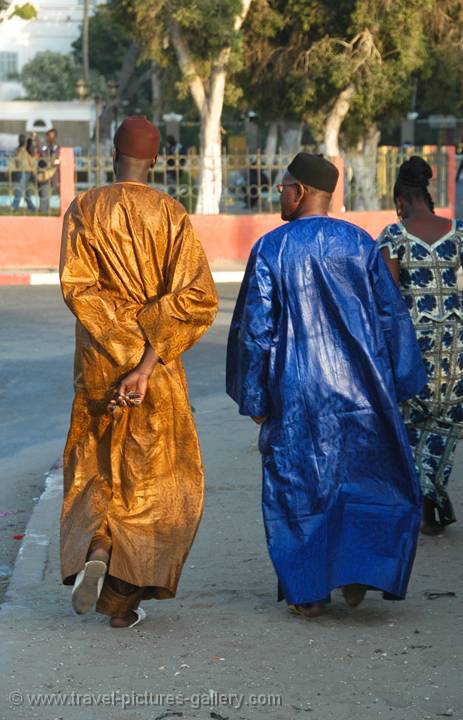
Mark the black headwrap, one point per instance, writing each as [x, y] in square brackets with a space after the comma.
[314, 170]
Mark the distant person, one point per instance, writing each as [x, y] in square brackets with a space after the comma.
[135, 276]
[48, 170]
[173, 146]
[321, 347]
[51, 148]
[31, 148]
[424, 252]
[23, 167]
[36, 145]
[45, 175]
[257, 182]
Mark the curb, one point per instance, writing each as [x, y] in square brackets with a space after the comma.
[29, 568]
[52, 278]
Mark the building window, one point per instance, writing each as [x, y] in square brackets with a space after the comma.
[8, 65]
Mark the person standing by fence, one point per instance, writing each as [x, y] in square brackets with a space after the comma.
[23, 167]
[423, 252]
[48, 176]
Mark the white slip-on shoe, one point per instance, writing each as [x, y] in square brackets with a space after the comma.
[88, 585]
[141, 615]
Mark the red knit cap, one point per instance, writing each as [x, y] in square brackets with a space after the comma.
[137, 137]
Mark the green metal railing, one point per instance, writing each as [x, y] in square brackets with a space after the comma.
[388, 162]
[248, 181]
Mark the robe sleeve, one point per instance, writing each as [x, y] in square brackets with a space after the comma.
[174, 321]
[251, 338]
[387, 240]
[108, 322]
[404, 353]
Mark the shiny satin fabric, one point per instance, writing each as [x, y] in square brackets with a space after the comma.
[133, 270]
[322, 343]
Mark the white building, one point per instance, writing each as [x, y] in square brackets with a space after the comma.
[74, 121]
[57, 25]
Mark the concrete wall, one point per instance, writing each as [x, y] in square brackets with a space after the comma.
[34, 242]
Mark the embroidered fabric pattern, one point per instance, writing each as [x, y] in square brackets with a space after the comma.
[434, 420]
[428, 272]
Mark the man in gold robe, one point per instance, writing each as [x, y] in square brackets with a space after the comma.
[136, 277]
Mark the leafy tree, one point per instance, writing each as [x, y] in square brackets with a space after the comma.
[110, 36]
[53, 76]
[50, 76]
[317, 53]
[205, 38]
[346, 66]
[115, 55]
[26, 11]
[439, 83]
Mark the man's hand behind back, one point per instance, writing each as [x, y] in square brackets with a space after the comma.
[132, 390]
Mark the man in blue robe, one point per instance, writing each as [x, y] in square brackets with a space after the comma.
[321, 350]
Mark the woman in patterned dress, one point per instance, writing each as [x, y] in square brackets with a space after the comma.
[424, 252]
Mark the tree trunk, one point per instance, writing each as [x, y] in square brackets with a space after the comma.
[209, 102]
[291, 138]
[210, 168]
[271, 143]
[127, 88]
[156, 94]
[363, 161]
[335, 120]
[85, 43]
[210, 171]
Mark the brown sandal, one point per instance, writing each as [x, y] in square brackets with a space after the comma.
[308, 611]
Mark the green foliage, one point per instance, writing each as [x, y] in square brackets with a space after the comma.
[53, 76]
[112, 33]
[440, 80]
[304, 53]
[50, 76]
[25, 11]
[440, 83]
[206, 24]
[207, 27]
[294, 57]
[109, 39]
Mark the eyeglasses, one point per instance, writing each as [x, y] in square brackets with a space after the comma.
[280, 186]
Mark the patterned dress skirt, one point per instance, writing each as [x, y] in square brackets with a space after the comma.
[434, 420]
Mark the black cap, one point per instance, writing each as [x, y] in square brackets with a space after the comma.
[315, 171]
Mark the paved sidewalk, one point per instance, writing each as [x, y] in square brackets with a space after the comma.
[225, 632]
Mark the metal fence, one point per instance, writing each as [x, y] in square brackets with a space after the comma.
[248, 181]
[388, 161]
